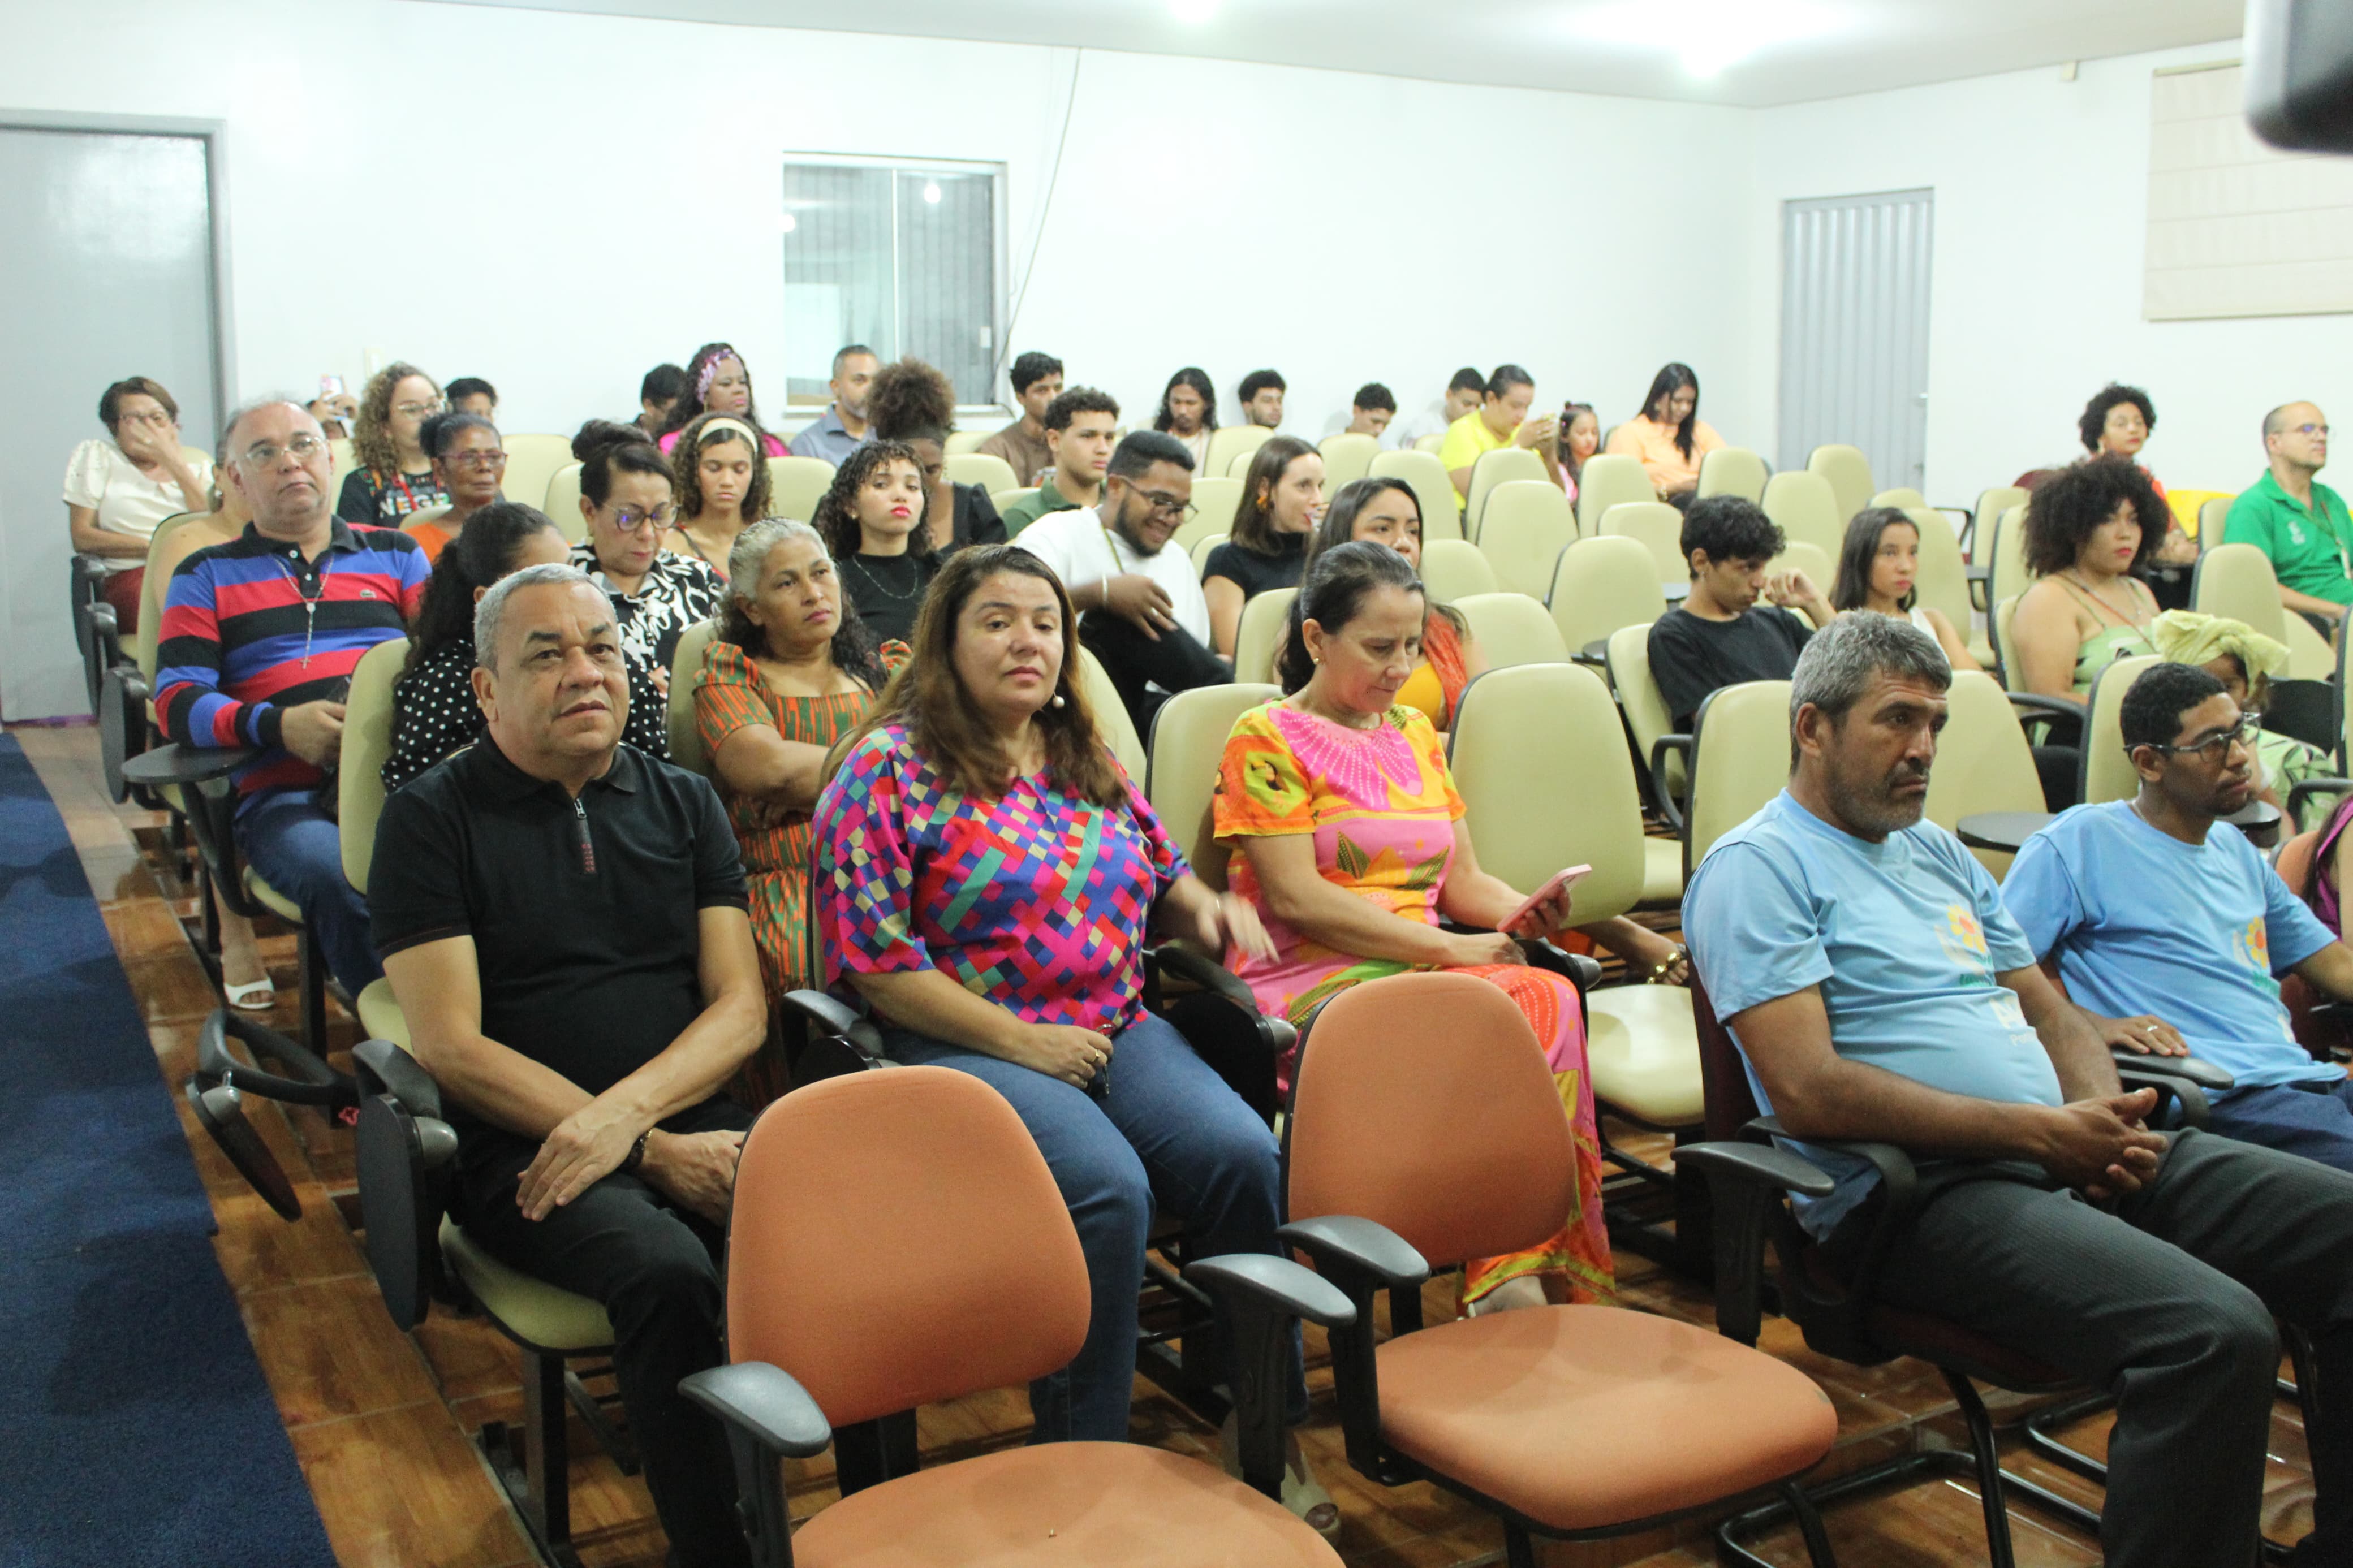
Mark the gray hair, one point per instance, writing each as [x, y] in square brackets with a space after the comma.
[494, 604]
[751, 549]
[243, 411]
[1842, 660]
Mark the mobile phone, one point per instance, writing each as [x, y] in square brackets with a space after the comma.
[1567, 878]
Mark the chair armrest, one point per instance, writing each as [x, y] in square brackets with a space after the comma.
[1360, 1255]
[1745, 1181]
[99, 617]
[2298, 794]
[1763, 1165]
[2035, 702]
[836, 1019]
[319, 1084]
[1659, 750]
[2196, 1069]
[1276, 1284]
[1578, 969]
[161, 766]
[1264, 1296]
[1195, 969]
[396, 1073]
[2195, 1110]
[766, 1404]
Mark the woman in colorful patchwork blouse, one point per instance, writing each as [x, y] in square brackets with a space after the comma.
[1353, 843]
[985, 875]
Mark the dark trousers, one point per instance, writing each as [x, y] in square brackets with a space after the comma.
[2318, 1125]
[1176, 662]
[2168, 1303]
[655, 1269]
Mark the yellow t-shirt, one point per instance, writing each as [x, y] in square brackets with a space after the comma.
[1468, 440]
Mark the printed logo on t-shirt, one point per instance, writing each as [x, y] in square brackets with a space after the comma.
[2296, 532]
[1963, 940]
[2252, 948]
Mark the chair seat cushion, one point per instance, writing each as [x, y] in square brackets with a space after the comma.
[539, 1314]
[1644, 1052]
[1581, 1417]
[380, 1016]
[1662, 871]
[1062, 1503]
[271, 898]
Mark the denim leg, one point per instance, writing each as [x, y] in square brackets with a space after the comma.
[298, 849]
[2294, 1120]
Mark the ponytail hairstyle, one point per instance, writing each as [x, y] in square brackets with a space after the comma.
[484, 551]
[606, 446]
[1331, 592]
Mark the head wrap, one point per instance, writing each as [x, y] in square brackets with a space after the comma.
[2185, 637]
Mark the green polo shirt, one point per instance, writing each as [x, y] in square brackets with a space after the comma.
[2308, 548]
[1030, 509]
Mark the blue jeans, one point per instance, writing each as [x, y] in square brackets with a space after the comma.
[295, 847]
[1169, 1131]
[2318, 1126]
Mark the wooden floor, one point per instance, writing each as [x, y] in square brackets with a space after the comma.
[382, 1423]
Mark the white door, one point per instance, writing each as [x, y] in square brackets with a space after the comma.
[1854, 330]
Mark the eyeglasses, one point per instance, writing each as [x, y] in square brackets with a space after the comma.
[476, 459]
[1166, 505]
[302, 447]
[2312, 429]
[419, 410]
[661, 518]
[2216, 748]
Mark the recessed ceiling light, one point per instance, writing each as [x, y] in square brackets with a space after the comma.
[932, 191]
[1708, 36]
[786, 222]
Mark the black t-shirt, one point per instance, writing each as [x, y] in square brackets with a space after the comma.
[589, 961]
[1691, 657]
[977, 520]
[1256, 573]
[887, 590]
[387, 503]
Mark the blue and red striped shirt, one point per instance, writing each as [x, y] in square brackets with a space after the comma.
[250, 629]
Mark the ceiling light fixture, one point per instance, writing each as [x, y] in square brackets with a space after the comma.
[932, 191]
[786, 222]
[1708, 36]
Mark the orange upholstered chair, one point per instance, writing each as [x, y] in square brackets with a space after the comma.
[897, 1240]
[1425, 1130]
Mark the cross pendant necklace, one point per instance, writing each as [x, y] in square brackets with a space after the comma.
[309, 602]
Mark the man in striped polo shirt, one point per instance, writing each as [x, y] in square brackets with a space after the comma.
[257, 646]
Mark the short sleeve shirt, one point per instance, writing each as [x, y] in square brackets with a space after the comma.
[2194, 933]
[101, 478]
[2311, 550]
[1468, 440]
[1691, 655]
[1254, 574]
[1038, 900]
[1080, 549]
[1904, 938]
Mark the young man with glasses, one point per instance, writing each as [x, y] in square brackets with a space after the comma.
[2168, 928]
[1141, 607]
[2298, 522]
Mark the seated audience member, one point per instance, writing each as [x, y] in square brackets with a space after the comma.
[2091, 529]
[1668, 435]
[231, 669]
[1371, 409]
[791, 670]
[562, 921]
[1387, 512]
[912, 403]
[1037, 381]
[1877, 567]
[468, 464]
[395, 476]
[717, 382]
[333, 408]
[434, 710]
[722, 488]
[987, 874]
[1080, 426]
[1879, 990]
[841, 430]
[1462, 396]
[2299, 522]
[1144, 615]
[2117, 423]
[1581, 437]
[874, 522]
[1260, 396]
[626, 486]
[2245, 661]
[658, 394]
[1721, 634]
[1282, 495]
[2167, 927]
[1500, 420]
[472, 394]
[118, 490]
[1351, 844]
[1189, 411]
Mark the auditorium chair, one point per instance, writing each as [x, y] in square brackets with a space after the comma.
[1424, 1130]
[2237, 581]
[1942, 581]
[1442, 513]
[1112, 720]
[1454, 569]
[1214, 500]
[1512, 628]
[562, 507]
[1992, 503]
[1731, 471]
[1500, 466]
[959, 442]
[1006, 500]
[1523, 528]
[1848, 473]
[126, 722]
[1609, 479]
[1983, 762]
[418, 519]
[988, 471]
[1201, 549]
[796, 485]
[1258, 640]
[1228, 441]
[840, 1317]
[2106, 771]
[1627, 659]
[1805, 507]
[1659, 527]
[1903, 498]
[1346, 458]
[1600, 585]
[532, 462]
[96, 633]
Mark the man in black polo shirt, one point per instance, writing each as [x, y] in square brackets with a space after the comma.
[563, 921]
[1721, 635]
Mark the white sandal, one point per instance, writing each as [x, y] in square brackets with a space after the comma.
[258, 997]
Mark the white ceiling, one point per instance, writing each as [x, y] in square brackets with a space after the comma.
[1793, 50]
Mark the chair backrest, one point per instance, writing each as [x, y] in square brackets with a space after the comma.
[1638, 696]
[990, 472]
[1214, 500]
[1903, 498]
[1983, 761]
[2008, 563]
[1731, 471]
[1526, 524]
[419, 518]
[1006, 500]
[2211, 515]
[1849, 473]
[1429, 443]
[1227, 440]
[685, 663]
[1806, 507]
[562, 507]
[2107, 772]
[532, 461]
[1991, 504]
[2236, 579]
[404, 1150]
[1943, 582]
[1441, 515]
[1512, 628]
[1260, 636]
[367, 741]
[1504, 465]
[1609, 479]
[151, 589]
[1347, 458]
[1601, 584]
[959, 442]
[897, 1240]
[2309, 656]
[1803, 555]
[1454, 569]
[1538, 753]
[1111, 720]
[1422, 1102]
[1659, 527]
[1739, 761]
[796, 485]
[346, 462]
[2005, 643]
[1189, 740]
[1201, 548]
[2293, 862]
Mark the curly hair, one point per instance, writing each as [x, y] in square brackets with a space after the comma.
[699, 372]
[853, 647]
[686, 470]
[483, 552]
[1199, 380]
[910, 401]
[945, 725]
[1253, 525]
[2095, 413]
[836, 510]
[372, 442]
[109, 402]
[2067, 507]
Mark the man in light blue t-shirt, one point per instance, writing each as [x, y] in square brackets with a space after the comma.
[1878, 990]
[2151, 905]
